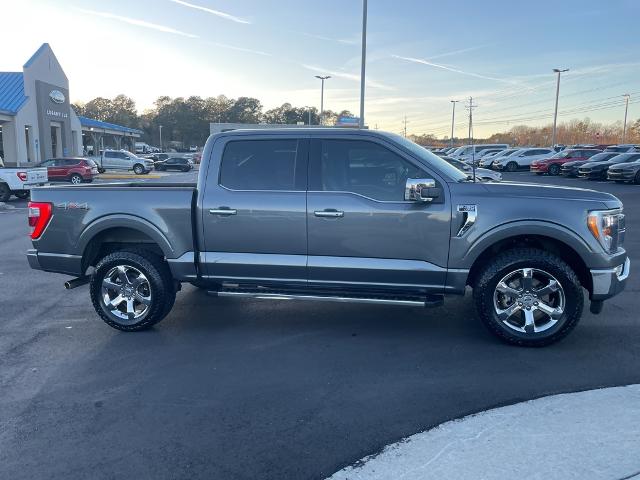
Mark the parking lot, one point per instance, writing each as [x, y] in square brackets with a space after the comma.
[224, 388]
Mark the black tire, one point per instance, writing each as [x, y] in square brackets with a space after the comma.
[75, 178]
[636, 179]
[554, 169]
[22, 195]
[101, 170]
[511, 167]
[138, 169]
[162, 291]
[5, 192]
[486, 281]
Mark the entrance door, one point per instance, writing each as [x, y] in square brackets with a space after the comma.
[254, 211]
[56, 140]
[361, 230]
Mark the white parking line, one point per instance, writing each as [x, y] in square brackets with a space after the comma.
[585, 435]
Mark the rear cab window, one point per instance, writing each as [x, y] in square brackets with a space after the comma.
[269, 165]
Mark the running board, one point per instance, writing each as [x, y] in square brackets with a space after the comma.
[427, 301]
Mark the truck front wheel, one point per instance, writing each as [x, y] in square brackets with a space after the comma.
[132, 290]
[528, 297]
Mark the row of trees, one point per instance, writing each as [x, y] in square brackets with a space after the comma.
[187, 120]
[568, 133]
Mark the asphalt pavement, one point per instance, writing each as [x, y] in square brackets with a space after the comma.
[227, 388]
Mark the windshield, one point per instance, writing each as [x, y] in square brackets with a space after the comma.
[563, 154]
[506, 153]
[430, 158]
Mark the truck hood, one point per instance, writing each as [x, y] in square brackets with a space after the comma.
[533, 191]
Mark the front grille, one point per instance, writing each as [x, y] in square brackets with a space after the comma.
[622, 230]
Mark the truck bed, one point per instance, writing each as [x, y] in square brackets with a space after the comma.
[161, 213]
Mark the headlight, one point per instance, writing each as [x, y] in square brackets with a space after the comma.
[604, 225]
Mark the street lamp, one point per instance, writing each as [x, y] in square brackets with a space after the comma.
[626, 108]
[322, 79]
[453, 118]
[555, 115]
[160, 127]
[363, 61]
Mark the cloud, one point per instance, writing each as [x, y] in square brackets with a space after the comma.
[137, 23]
[347, 76]
[217, 13]
[454, 70]
[345, 41]
[457, 52]
[239, 49]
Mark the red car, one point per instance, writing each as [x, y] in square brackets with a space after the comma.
[71, 169]
[553, 164]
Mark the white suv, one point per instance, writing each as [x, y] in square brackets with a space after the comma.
[521, 158]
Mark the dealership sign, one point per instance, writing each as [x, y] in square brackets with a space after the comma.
[57, 96]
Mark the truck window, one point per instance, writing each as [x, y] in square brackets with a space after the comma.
[260, 165]
[361, 167]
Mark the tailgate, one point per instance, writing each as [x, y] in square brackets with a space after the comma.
[36, 176]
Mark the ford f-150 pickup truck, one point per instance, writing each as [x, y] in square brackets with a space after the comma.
[326, 214]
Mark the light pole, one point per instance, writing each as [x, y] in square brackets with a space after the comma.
[453, 118]
[322, 79]
[626, 108]
[160, 127]
[363, 61]
[555, 115]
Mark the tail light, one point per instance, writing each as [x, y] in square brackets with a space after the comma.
[22, 176]
[39, 215]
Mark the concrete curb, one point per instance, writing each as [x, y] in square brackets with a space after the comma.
[585, 435]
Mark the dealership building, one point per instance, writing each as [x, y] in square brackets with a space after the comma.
[37, 121]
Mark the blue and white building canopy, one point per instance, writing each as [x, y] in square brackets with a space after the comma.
[36, 118]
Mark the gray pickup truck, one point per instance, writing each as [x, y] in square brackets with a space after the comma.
[336, 215]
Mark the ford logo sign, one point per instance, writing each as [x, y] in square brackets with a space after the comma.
[57, 96]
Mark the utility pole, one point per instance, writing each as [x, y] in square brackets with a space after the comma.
[471, 106]
[626, 109]
[160, 127]
[322, 79]
[555, 114]
[453, 119]
[404, 129]
[363, 61]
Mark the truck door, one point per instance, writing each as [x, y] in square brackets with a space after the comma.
[361, 230]
[254, 210]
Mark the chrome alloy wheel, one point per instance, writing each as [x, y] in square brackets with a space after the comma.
[529, 300]
[126, 292]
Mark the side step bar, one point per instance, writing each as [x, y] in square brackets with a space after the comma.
[429, 301]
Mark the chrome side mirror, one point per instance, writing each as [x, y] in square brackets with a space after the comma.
[421, 190]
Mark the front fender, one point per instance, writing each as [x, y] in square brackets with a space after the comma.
[465, 251]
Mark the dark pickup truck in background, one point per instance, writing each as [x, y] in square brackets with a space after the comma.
[326, 214]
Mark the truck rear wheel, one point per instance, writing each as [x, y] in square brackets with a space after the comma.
[5, 192]
[528, 297]
[132, 290]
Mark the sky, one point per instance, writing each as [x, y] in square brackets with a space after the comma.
[420, 55]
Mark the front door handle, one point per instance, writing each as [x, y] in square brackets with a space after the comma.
[225, 211]
[329, 213]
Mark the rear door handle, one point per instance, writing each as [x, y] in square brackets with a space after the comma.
[224, 211]
[329, 213]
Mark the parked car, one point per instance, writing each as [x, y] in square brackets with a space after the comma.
[598, 170]
[621, 148]
[174, 163]
[326, 215]
[488, 162]
[521, 159]
[625, 172]
[124, 160]
[481, 173]
[553, 164]
[157, 157]
[570, 169]
[467, 152]
[19, 181]
[71, 169]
